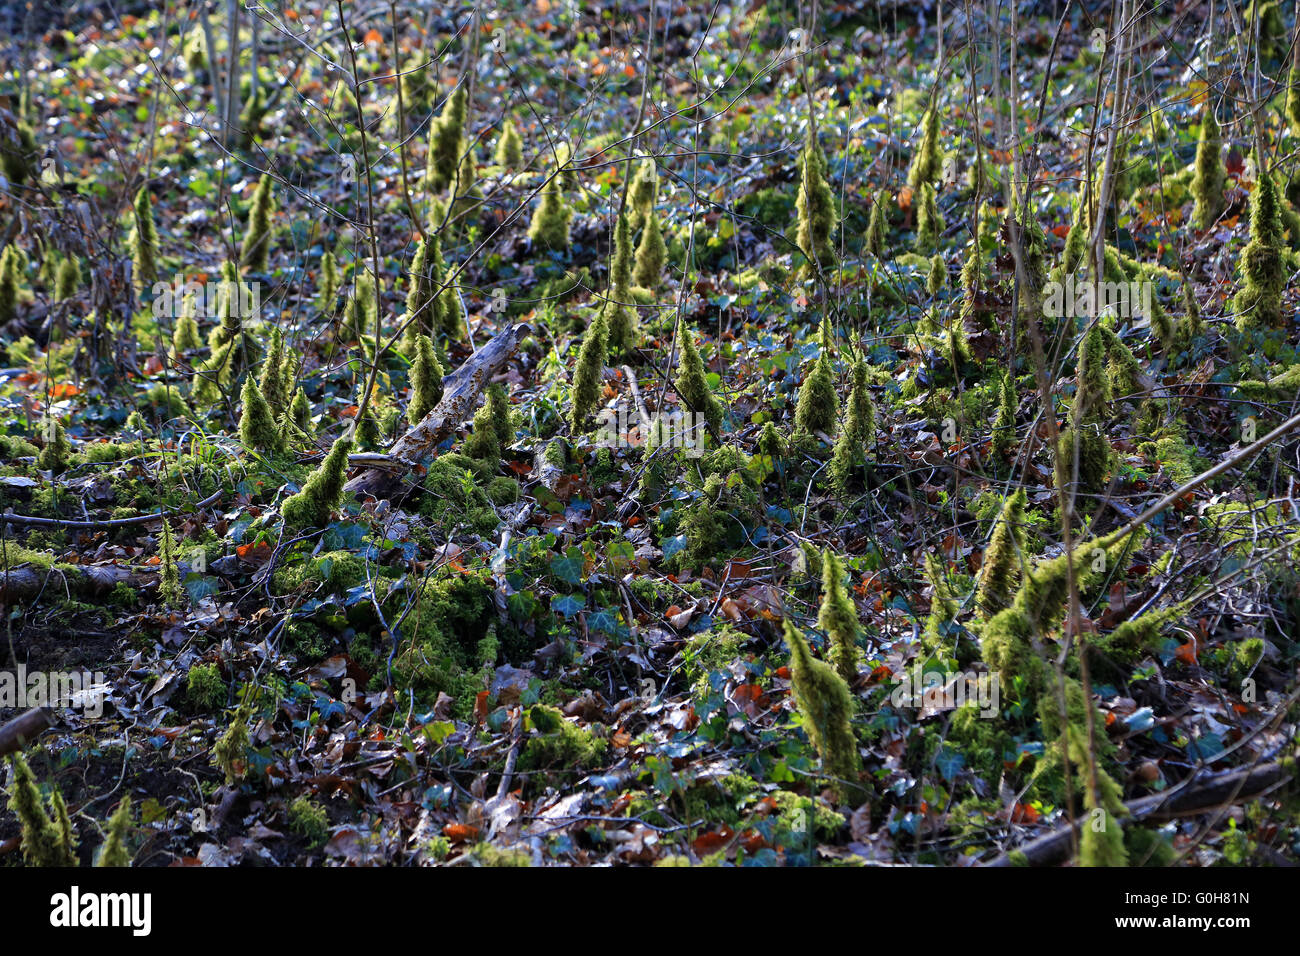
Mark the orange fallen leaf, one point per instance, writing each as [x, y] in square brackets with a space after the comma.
[460, 832]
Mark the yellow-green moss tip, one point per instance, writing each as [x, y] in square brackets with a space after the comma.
[929, 221]
[877, 226]
[144, 241]
[510, 147]
[257, 427]
[691, 383]
[858, 432]
[447, 141]
[826, 705]
[838, 618]
[10, 281]
[272, 380]
[549, 228]
[927, 160]
[492, 429]
[66, 279]
[230, 752]
[256, 250]
[818, 408]
[585, 391]
[1208, 173]
[45, 840]
[114, 851]
[1261, 268]
[54, 455]
[1002, 559]
[169, 579]
[816, 207]
[322, 492]
[329, 281]
[426, 380]
[651, 253]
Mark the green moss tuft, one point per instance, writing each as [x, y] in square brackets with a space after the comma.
[323, 491]
[929, 221]
[114, 852]
[1261, 268]
[144, 241]
[1208, 175]
[1003, 558]
[816, 206]
[46, 840]
[691, 382]
[839, 618]
[549, 228]
[818, 408]
[826, 705]
[256, 250]
[257, 426]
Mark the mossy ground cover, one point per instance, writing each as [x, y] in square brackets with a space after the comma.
[788, 458]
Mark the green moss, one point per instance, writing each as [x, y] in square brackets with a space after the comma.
[46, 840]
[818, 408]
[447, 141]
[114, 851]
[426, 380]
[455, 496]
[825, 703]
[12, 446]
[877, 226]
[859, 430]
[929, 221]
[144, 241]
[691, 382]
[927, 160]
[322, 492]
[1138, 635]
[839, 618]
[559, 744]
[205, 688]
[10, 281]
[975, 313]
[329, 281]
[230, 752]
[54, 456]
[485, 854]
[492, 429]
[256, 249]
[309, 820]
[587, 372]
[1003, 558]
[651, 253]
[1146, 847]
[816, 206]
[509, 151]
[1260, 268]
[257, 426]
[169, 586]
[67, 278]
[549, 228]
[1209, 175]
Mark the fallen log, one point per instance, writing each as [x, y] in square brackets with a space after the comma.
[461, 390]
[1204, 796]
[16, 734]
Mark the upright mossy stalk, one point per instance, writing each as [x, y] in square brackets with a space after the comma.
[19, 155]
[816, 207]
[169, 575]
[927, 161]
[1087, 420]
[858, 432]
[426, 380]
[420, 313]
[585, 391]
[826, 706]
[46, 840]
[651, 253]
[691, 382]
[838, 618]
[322, 492]
[549, 228]
[114, 851]
[10, 281]
[66, 279]
[1293, 93]
[300, 414]
[1000, 571]
[877, 226]
[643, 194]
[255, 253]
[257, 427]
[362, 308]
[186, 334]
[929, 221]
[272, 381]
[975, 310]
[447, 142]
[54, 455]
[1004, 425]
[1208, 173]
[492, 429]
[1261, 268]
[619, 307]
[510, 147]
[938, 276]
[329, 281]
[1033, 243]
[144, 241]
[818, 409]
[943, 610]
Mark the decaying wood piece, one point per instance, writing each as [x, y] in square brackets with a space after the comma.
[1204, 796]
[461, 390]
[16, 734]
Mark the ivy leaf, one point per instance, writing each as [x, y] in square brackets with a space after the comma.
[568, 568]
[568, 604]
